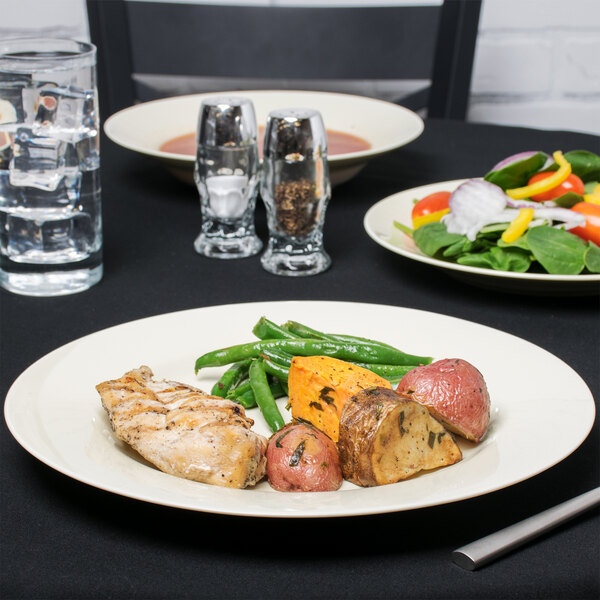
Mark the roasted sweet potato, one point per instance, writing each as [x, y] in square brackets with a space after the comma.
[319, 386]
[300, 458]
[385, 438]
[455, 392]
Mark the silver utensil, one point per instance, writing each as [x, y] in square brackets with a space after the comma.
[483, 551]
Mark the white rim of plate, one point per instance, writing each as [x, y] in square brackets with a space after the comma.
[469, 478]
[112, 122]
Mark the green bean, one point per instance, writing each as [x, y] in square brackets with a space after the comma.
[243, 388]
[361, 352]
[240, 390]
[303, 331]
[278, 388]
[308, 332]
[263, 396]
[244, 395]
[391, 372]
[230, 378]
[282, 358]
[267, 330]
[274, 368]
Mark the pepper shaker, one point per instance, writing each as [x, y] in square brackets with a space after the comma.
[226, 174]
[295, 189]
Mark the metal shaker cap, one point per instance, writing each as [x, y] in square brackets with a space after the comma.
[227, 121]
[295, 134]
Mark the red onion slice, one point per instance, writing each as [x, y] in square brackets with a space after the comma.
[473, 205]
[570, 218]
[526, 204]
[516, 158]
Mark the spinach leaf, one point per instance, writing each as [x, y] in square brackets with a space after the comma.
[465, 245]
[568, 200]
[432, 237]
[584, 164]
[500, 259]
[518, 173]
[520, 242]
[592, 258]
[557, 250]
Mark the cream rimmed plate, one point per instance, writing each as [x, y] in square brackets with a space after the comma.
[379, 225]
[540, 414]
[145, 127]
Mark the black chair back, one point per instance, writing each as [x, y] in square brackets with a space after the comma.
[418, 56]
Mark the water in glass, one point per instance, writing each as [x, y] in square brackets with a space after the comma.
[50, 211]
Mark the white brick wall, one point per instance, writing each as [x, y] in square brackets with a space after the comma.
[55, 18]
[537, 63]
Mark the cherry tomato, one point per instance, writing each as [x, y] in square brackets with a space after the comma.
[434, 203]
[591, 230]
[430, 204]
[571, 184]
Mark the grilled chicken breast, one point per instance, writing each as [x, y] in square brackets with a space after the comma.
[184, 431]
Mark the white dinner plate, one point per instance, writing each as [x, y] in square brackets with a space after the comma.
[145, 127]
[541, 409]
[379, 225]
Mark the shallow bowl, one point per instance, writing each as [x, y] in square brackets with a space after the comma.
[145, 127]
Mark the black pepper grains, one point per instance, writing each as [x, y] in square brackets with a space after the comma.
[297, 206]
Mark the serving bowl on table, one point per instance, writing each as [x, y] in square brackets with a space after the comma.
[385, 126]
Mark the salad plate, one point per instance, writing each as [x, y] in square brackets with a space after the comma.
[379, 225]
[54, 411]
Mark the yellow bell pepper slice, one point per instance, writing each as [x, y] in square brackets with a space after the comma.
[518, 226]
[539, 187]
[594, 197]
[430, 218]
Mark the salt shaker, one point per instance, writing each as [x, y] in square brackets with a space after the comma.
[295, 188]
[226, 174]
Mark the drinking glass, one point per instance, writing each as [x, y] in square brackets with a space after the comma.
[226, 175]
[295, 188]
[50, 212]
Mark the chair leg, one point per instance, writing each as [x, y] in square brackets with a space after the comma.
[453, 64]
[109, 31]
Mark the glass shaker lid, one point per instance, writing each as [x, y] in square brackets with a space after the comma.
[227, 121]
[295, 134]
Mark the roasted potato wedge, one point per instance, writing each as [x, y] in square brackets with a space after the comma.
[385, 438]
[455, 393]
[301, 458]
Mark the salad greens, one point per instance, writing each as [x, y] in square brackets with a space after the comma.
[471, 233]
[517, 174]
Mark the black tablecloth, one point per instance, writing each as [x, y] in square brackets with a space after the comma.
[63, 539]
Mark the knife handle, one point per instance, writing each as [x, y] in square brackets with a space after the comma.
[483, 551]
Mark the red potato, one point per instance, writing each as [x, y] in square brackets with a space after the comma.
[455, 393]
[301, 458]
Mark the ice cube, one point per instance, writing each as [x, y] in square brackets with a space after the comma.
[42, 162]
[67, 113]
[52, 240]
[12, 89]
[9, 196]
[88, 152]
[35, 202]
[5, 149]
